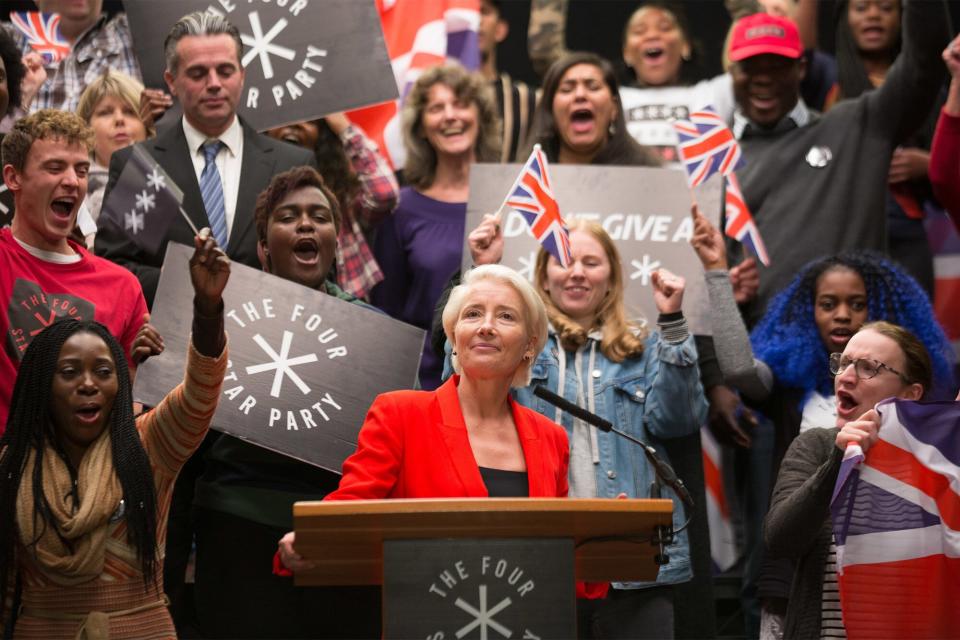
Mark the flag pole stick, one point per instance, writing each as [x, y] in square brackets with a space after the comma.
[193, 227]
[498, 213]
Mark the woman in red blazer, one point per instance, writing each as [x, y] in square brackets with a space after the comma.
[468, 438]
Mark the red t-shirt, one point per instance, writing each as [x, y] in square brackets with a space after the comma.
[34, 293]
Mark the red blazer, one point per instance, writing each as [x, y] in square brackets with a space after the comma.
[414, 444]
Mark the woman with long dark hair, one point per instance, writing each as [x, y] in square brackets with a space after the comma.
[85, 487]
[579, 119]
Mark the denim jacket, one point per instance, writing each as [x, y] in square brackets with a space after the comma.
[652, 397]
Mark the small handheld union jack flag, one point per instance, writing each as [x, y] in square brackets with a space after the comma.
[707, 146]
[43, 34]
[740, 224]
[532, 197]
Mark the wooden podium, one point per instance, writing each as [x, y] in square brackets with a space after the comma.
[436, 557]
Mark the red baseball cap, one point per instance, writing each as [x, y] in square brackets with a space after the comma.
[763, 33]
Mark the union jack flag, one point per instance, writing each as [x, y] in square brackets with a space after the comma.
[739, 223]
[896, 523]
[707, 146]
[43, 34]
[532, 197]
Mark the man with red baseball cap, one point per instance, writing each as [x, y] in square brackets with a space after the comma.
[768, 47]
[815, 184]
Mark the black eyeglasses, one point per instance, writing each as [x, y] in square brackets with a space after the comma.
[866, 368]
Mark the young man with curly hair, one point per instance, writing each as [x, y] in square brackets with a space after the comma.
[43, 274]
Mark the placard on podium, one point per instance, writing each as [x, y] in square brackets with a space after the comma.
[504, 552]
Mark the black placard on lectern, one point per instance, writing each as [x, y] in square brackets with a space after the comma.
[459, 589]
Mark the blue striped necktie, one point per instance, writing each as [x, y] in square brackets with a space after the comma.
[211, 190]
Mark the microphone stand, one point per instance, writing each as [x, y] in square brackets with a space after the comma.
[663, 534]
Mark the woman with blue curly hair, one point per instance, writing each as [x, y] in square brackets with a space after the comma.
[786, 374]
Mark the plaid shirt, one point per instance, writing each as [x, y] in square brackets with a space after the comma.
[357, 270]
[105, 45]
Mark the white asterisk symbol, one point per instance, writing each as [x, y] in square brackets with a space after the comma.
[527, 263]
[282, 364]
[644, 269]
[146, 200]
[133, 221]
[261, 44]
[483, 617]
[156, 180]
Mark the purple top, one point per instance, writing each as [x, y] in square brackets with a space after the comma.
[418, 248]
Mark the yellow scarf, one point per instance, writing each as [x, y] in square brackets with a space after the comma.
[84, 526]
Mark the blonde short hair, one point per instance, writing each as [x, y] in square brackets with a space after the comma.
[534, 313]
[113, 84]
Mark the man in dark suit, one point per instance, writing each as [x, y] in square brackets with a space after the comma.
[219, 162]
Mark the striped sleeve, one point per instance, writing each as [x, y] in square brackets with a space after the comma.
[176, 427]
[831, 617]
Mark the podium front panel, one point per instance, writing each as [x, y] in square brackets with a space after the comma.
[478, 588]
[611, 537]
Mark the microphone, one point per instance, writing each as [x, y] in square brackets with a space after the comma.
[663, 470]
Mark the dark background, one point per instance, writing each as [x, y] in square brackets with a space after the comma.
[597, 25]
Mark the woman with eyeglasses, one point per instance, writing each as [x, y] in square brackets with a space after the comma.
[881, 361]
[785, 375]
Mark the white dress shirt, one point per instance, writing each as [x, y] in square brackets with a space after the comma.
[229, 162]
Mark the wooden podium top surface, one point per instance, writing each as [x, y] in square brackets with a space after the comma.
[345, 538]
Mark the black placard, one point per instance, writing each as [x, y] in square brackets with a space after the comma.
[303, 58]
[304, 366]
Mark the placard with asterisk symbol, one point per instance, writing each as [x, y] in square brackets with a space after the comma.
[304, 365]
[303, 58]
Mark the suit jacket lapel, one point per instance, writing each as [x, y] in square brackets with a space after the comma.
[258, 161]
[455, 438]
[532, 450]
[174, 156]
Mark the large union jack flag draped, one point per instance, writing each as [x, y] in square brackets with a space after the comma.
[43, 34]
[739, 223]
[532, 197]
[707, 146]
[896, 522]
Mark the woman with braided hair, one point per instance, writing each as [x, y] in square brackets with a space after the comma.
[85, 487]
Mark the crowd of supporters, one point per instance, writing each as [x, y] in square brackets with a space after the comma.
[102, 510]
